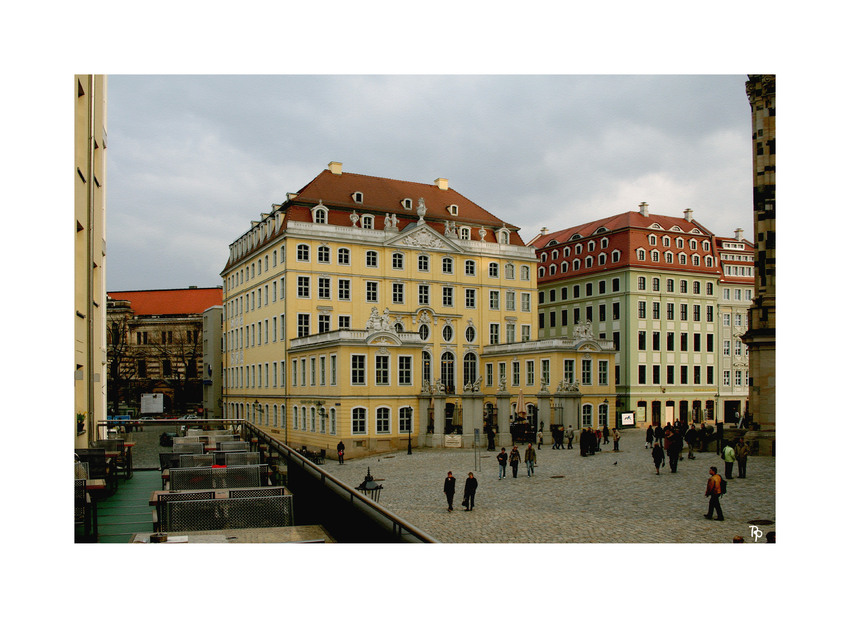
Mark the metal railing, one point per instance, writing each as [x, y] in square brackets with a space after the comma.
[396, 529]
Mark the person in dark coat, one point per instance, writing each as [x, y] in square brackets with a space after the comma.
[650, 435]
[605, 434]
[673, 449]
[491, 438]
[514, 459]
[659, 433]
[469, 492]
[449, 489]
[691, 439]
[340, 451]
[658, 457]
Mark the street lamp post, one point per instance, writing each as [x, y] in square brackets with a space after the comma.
[409, 430]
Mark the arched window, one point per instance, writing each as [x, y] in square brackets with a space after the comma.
[470, 368]
[426, 368]
[587, 415]
[447, 371]
[603, 414]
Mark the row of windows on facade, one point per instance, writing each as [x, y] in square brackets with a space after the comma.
[164, 368]
[398, 294]
[343, 258]
[684, 338]
[685, 286]
[371, 294]
[321, 421]
[694, 373]
[322, 371]
[601, 313]
[265, 332]
[602, 260]
[652, 240]
[144, 337]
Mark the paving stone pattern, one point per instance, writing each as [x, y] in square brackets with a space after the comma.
[596, 501]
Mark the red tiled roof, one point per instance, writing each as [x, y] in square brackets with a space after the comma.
[616, 222]
[170, 302]
[385, 195]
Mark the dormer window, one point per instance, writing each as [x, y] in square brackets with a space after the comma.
[407, 203]
[367, 222]
[320, 213]
[604, 243]
[575, 236]
[357, 196]
[453, 210]
[591, 246]
[504, 237]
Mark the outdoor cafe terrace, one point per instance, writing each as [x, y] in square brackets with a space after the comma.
[218, 481]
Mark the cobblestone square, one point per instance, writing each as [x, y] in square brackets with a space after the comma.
[611, 497]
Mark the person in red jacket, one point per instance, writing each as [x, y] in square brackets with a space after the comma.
[712, 490]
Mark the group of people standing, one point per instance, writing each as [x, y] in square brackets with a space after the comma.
[590, 441]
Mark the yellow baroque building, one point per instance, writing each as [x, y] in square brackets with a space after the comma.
[376, 312]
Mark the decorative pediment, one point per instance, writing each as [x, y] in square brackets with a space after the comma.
[423, 237]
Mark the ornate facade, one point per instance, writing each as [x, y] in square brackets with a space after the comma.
[361, 309]
[651, 285]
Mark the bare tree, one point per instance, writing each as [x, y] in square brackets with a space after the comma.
[178, 351]
[121, 359]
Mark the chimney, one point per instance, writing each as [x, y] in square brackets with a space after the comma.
[544, 231]
[335, 167]
[644, 209]
[689, 215]
[442, 184]
[739, 234]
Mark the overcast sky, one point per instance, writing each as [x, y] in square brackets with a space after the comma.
[193, 159]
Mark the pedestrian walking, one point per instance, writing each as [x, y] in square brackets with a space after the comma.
[742, 451]
[728, 456]
[658, 457]
[502, 458]
[530, 459]
[491, 438]
[513, 459]
[570, 435]
[650, 437]
[615, 435]
[449, 489]
[540, 437]
[340, 451]
[712, 491]
[605, 434]
[469, 492]
[659, 433]
[673, 450]
[598, 440]
[691, 439]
